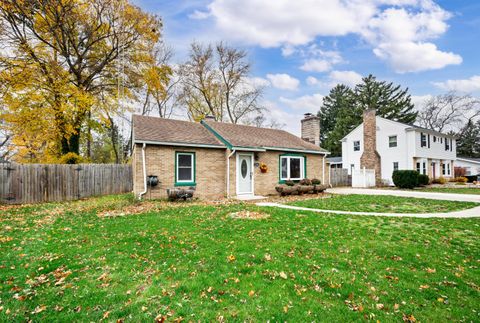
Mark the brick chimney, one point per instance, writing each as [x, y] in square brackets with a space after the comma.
[311, 129]
[370, 158]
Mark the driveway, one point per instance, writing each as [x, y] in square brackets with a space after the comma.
[413, 193]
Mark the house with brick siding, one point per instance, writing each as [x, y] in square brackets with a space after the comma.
[387, 145]
[221, 160]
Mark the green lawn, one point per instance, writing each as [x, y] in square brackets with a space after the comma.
[456, 190]
[62, 262]
[383, 204]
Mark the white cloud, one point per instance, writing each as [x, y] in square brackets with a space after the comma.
[316, 65]
[199, 15]
[312, 80]
[272, 23]
[400, 31]
[306, 103]
[471, 84]
[291, 121]
[283, 81]
[401, 38]
[420, 100]
[349, 78]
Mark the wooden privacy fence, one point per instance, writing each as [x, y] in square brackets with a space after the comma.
[33, 183]
[339, 177]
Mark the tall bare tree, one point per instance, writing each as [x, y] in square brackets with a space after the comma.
[215, 81]
[449, 112]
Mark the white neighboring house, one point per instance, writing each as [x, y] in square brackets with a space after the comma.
[471, 165]
[402, 146]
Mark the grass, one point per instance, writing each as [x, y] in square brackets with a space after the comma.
[456, 190]
[383, 204]
[62, 262]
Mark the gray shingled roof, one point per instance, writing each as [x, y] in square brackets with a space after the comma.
[163, 130]
[255, 137]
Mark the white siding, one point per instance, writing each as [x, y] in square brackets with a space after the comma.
[408, 148]
[473, 168]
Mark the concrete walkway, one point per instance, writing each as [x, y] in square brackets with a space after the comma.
[412, 193]
[469, 213]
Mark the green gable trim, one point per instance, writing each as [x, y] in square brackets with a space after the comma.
[216, 134]
[282, 181]
[192, 183]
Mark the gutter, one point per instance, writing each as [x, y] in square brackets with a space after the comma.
[228, 172]
[144, 167]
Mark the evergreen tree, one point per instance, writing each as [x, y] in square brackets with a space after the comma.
[468, 142]
[391, 101]
[336, 112]
[343, 108]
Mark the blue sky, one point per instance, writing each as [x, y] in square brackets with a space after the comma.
[300, 49]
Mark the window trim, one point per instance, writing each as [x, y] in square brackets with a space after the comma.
[303, 169]
[355, 141]
[390, 142]
[191, 182]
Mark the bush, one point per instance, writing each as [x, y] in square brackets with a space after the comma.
[305, 181]
[71, 158]
[440, 180]
[459, 171]
[405, 178]
[423, 179]
[289, 183]
[461, 179]
[316, 181]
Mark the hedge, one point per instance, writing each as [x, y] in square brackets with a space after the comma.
[405, 178]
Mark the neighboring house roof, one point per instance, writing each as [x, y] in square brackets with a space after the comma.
[469, 159]
[334, 160]
[174, 132]
[241, 136]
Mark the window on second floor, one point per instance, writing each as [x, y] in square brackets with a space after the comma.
[392, 141]
[356, 145]
[447, 144]
[423, 140]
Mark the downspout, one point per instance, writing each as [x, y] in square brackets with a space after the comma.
[144, 167]
[228, 172]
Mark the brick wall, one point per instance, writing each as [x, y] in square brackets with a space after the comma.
[370, 158]
[210, 171]
[264, 183]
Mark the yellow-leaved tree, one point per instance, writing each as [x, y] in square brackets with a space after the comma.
[64, 65]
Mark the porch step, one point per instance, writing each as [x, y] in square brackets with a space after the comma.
[250, 197]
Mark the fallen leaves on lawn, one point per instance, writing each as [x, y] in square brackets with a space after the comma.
[424, 286]
[5, 239]
[409, 318]
[249, 215]
[39, 309]
[231, 258]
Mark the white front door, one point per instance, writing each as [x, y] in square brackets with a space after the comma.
[244, 174]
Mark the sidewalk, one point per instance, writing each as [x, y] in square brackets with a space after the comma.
[413, 193]
[469, 213]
